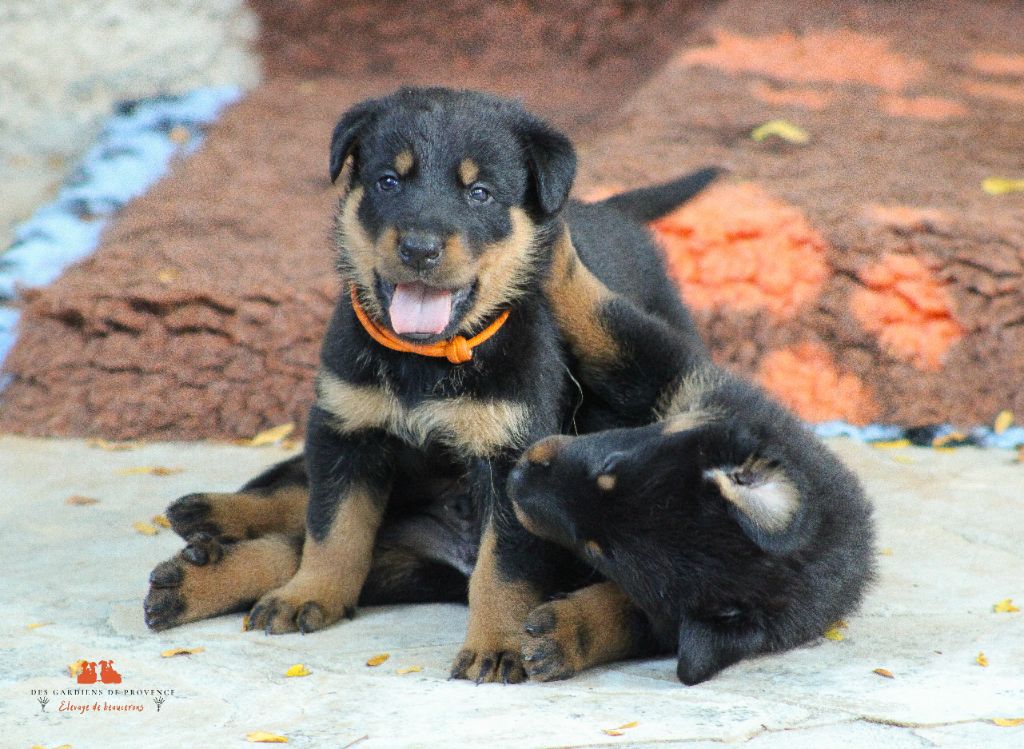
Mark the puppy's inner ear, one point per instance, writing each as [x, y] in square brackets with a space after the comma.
[761, 493]
[346, 135]
[552, 164]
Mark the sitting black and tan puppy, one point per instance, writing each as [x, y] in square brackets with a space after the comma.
[442, 361]
[725, 528]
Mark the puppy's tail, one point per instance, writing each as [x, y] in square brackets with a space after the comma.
[650, 203]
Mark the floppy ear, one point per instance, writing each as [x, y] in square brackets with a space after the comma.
[551, 160]
[704, 649]
[346, 134]
[763, 500]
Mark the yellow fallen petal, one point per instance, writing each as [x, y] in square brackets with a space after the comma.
[167, 275]
[1008, 722]
[161, 520]
[1005, 606]
[1001, 185]
[298, 669]
[884, 672]
[1002, 422]
[113, 446]
[612, 732]
[262, 737]
[141, 526]
[890, 444]
[75, 668]
[886, 552]
[378, 659]
[945, 439]
[150, 470]
[78, 499]
[36, 625]
[271, 436]
[981, 660]
[408, 670]
[181, 651]
[834, 634]
[787, 131]
[631, 724]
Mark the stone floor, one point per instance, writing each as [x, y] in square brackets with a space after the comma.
[951, 545]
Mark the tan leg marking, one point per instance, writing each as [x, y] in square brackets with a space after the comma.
[576, 296]
[229, 578]
[590, 627]
[240, 515]
[331, 574]
[497, 610]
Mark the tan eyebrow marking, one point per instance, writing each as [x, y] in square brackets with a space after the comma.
[403, 162]
[468, 172]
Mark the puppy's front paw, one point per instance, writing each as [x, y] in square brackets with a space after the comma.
[188, 586]
[193, 514]
[293, 608]
[489, 665]
[555, 645]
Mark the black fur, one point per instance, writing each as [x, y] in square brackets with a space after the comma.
[719, 580]
[525, 169]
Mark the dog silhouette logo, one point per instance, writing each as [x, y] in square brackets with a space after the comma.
[107, 673]
[88, 675]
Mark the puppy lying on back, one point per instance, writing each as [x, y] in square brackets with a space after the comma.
[725, 528]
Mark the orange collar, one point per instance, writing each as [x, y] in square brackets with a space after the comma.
[457, 350]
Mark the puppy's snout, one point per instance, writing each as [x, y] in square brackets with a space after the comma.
[420, 250]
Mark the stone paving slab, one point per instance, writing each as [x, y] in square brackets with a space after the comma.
[951, 545]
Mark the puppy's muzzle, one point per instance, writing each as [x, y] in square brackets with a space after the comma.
[420, 250]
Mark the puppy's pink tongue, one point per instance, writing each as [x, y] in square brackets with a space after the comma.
[416, 308]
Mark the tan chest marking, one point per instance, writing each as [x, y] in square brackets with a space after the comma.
[468, 425]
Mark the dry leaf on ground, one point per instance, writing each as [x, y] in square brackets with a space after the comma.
[262, 737]
[78, 499]
[1001, 185]
[149, 470]
[299, 669]
[890, 444]
[37, 625]
[181, 651]
[377, 659]
[1008, 722]
[115, 447]
[787, 131]
[161, 520]
[1005, 606]
[981, 659]
[619, 730]
[1002, 422]
[270, 436]
[408, 670]
[884, 672]
[146, 529]
[75, 668]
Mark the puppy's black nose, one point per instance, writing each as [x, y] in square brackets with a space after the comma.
[420, 250]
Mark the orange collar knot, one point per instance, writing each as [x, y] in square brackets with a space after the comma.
[457, 350]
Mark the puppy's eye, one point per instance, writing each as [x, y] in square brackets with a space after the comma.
[479, 194]
[388, 183]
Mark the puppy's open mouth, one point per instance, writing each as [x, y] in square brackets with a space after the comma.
[419, 311]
